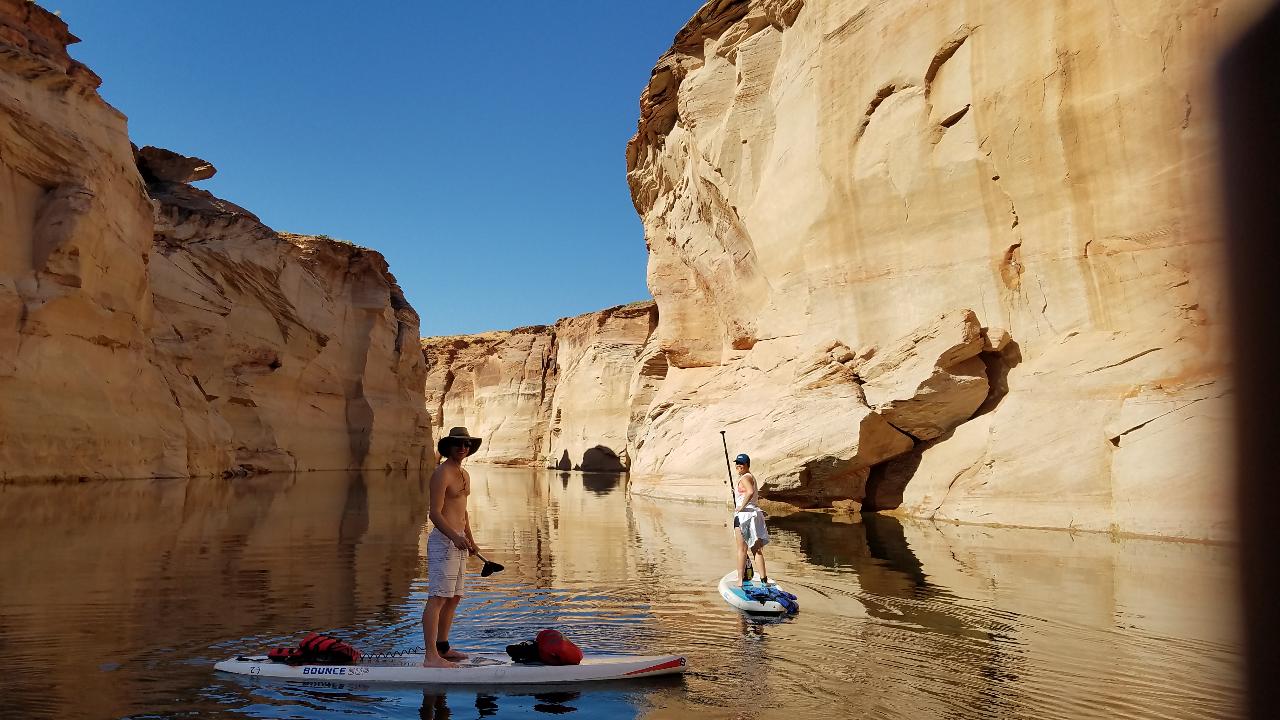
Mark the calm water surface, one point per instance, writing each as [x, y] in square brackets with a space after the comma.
[117, 597]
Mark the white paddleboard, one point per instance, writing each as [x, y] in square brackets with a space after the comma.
[732, 592]
[480, 669]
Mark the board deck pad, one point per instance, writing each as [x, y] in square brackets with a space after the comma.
[479, 669]
[734, 594]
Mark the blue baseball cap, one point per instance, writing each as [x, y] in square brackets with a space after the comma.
[742, 459]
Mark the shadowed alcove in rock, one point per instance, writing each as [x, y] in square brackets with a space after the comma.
[596, 459]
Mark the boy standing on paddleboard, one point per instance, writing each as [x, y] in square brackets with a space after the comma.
[448, 547]
[748, 519]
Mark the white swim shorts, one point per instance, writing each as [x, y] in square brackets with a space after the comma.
[446, 566]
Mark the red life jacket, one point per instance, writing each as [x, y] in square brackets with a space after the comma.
[316, 649]
[556, 649]
[290, 655]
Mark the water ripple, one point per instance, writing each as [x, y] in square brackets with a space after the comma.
[124, 615]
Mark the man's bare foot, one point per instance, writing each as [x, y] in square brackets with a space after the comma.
[438, 662]
[454, 655]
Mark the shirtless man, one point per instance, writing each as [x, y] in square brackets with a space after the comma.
[448, 546]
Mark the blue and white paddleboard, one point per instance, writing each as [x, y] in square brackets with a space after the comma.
[476, 670]
[733, 593]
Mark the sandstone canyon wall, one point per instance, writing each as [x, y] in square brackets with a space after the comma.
[149, 329]
[958, 259]
[559, 396]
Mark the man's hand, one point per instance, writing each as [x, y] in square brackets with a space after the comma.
[462, 543]
[473, 548]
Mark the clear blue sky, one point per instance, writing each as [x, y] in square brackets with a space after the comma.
[479, 146]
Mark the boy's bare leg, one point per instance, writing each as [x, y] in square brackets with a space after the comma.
[741, 546]
[446, 623]
[431, 616]
[764, 572]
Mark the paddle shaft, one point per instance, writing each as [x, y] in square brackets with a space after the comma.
[747, 570]
[729, 469]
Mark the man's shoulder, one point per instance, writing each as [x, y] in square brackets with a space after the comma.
[444, 471]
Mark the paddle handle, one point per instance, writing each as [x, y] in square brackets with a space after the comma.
[733, 499]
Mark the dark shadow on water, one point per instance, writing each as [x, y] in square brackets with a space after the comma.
[352, 528]
[896, 588]
[602, 483]
[875, 548]
[887, 542]
[872, 545]
[754, 625]
[558, 699]
[435, 705]
[556, 703]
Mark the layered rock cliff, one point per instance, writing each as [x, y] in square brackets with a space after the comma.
[844, 200]
[303, 346]
[176, 336]
[560, 396]
[496, 385]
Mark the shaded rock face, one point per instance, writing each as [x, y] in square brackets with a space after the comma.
[175, 336]
[560, 396]
[304, 347]
[597, 361]
[812, 174]
[495, 384]
[161, 165]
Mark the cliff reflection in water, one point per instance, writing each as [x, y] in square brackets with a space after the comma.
[1033, 623]
[904, 618]
[111, 585]
[120, 595]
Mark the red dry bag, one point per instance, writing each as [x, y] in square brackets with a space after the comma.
[556, 649]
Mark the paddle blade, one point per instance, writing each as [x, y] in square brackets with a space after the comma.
[490, 568]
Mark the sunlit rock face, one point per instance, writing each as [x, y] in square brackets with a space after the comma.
[303, 346]
[81, 393]
[560, 396]
[174, 336]
[815, 176]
